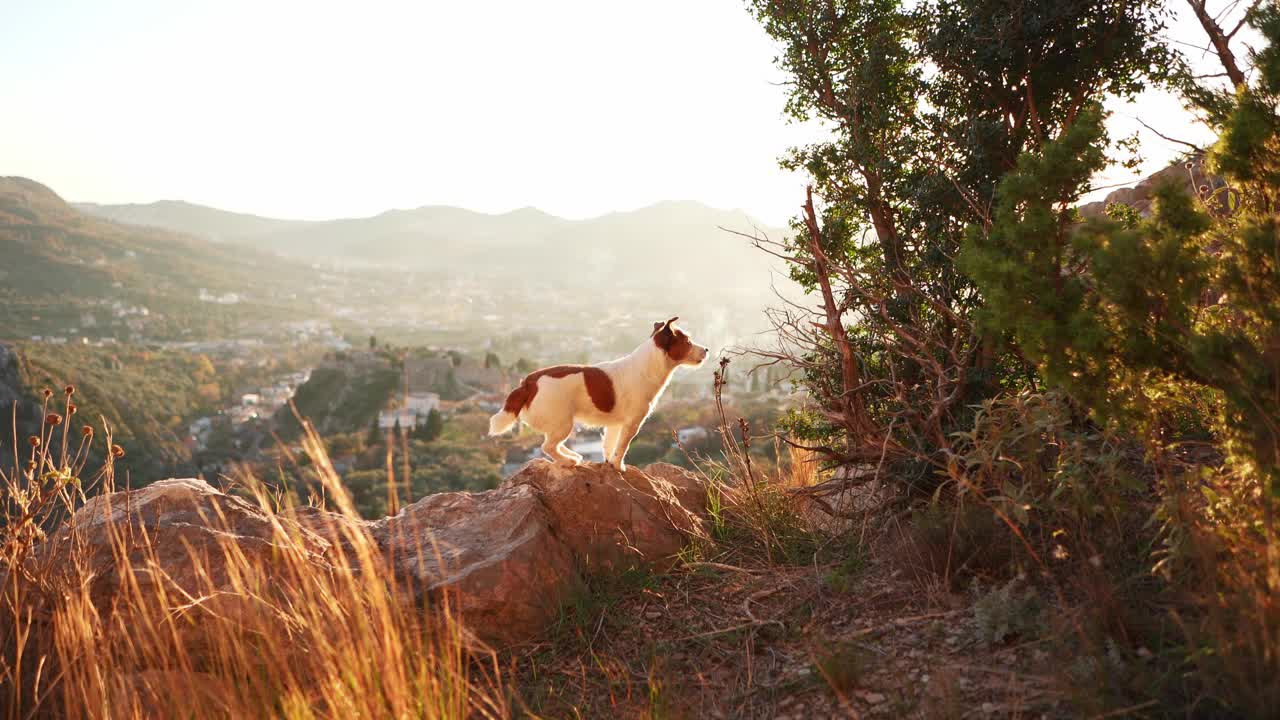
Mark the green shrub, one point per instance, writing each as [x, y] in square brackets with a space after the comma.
[1005, 612]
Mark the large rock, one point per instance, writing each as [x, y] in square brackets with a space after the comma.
[1191, 174]
[169, 524]
[507, 558]
[496, 553]
[615, 521]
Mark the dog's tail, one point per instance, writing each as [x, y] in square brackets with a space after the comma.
[517, 401]
[502, 422]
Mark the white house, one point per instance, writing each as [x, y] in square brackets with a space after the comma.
[422, 403]
[694, 434]
[407, 418]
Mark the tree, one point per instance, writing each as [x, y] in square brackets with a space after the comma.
[373, 342]
[931, 105]
[491, 360]
[431, 428]
[1125, 312]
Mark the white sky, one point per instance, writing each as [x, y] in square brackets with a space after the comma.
[324, 109]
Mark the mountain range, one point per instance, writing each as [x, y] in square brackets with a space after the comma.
[679, 242]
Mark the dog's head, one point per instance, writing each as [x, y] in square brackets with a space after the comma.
[676, 343]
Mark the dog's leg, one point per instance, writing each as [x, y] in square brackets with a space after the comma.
[609, 439]
[625, 434]
[553, 446]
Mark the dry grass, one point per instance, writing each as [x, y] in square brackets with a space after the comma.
[287, 633]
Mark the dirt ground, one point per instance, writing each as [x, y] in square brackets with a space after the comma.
[727, 635]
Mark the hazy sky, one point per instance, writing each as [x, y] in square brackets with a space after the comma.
[323, 109]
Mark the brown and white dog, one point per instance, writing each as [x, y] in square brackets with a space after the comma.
[617, 395]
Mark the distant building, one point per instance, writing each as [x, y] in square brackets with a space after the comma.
[241, 414]
[199, 432]
[407, 419]
[695, 434]
[422, 403]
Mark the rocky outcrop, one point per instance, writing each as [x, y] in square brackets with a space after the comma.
[1189, 173]
[610, 521]
[507, 558]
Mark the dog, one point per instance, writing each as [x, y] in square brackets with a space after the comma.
[617, 395]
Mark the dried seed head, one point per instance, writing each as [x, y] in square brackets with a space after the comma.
[69, 390]
[31, 465]
[117, 451]
[34, 441]
[48, 393]
[71, 409]
[53, 419]
[87, 431]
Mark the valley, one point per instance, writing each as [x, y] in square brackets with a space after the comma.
[197, 371]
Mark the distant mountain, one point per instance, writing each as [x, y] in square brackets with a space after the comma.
[60, 269]
[662, 245]
[184, 217]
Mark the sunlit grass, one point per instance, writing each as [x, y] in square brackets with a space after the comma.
[288, 632]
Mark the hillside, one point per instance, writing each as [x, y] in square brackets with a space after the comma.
[178, 216]
[680, 242]
[63, 270]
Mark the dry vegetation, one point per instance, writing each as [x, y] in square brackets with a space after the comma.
[782, 609]
[302, 638]
[809, 596]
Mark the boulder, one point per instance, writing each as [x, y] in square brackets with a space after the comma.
[496, 553]
[507, 559]
[168, 524]
[616, 521]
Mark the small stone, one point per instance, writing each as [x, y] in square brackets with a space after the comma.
[652, 614]
[871, 698]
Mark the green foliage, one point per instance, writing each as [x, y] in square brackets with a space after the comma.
[1122, 315]
[1005, 612]
[145, 397]
[931, 104]
[851, 560]
[336, 400]
[1162, 328]
[431, 428]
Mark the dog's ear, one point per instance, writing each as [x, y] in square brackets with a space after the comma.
[663, 336]
[660, 326]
